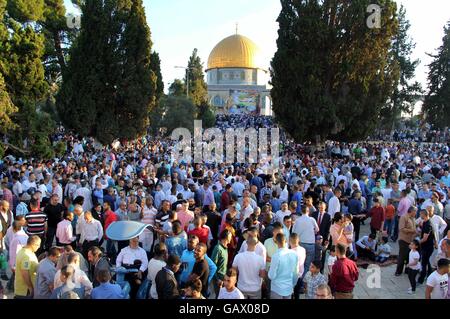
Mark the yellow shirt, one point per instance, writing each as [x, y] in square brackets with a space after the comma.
[25, 260]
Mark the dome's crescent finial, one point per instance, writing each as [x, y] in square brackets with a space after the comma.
[237, 27]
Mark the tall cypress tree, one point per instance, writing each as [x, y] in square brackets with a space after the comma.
[155, 62]
[109, 87]
[436, 107]
[331, 74]
[137, 84]
[406, 93]
[198, 90]
[197, 87]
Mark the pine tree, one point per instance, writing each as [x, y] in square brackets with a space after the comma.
[436, 106]
[332, 74]
[406, 93]
[109, 87]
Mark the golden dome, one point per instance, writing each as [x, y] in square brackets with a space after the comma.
[235, 51]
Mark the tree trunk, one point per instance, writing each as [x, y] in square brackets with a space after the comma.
[59, 51]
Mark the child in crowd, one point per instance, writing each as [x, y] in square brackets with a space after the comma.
[383, 251]
[349, 233]
[389, 217]
[331, 259]
[414, 265]
[313, 279]
[229, 290]
[318, 249]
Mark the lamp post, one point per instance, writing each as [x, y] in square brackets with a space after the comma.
[187, 78]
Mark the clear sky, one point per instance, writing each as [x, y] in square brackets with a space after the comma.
[179, 26]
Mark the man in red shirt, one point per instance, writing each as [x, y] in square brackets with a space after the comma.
[378, 216]
[344, 275]
[226, 197]
[110, 217]
[201, 232]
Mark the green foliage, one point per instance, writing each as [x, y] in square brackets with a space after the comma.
[109, 86]
[406, 93]
[42, 126]
[22, 74]
[178, 112]
[26, 10]
[197, 86]
[332, 74]
[60, 148]
[177, 88]
[206, 114]
[436, 107]
[155, 63]
[7, 108]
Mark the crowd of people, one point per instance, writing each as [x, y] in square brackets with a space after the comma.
[223, 230]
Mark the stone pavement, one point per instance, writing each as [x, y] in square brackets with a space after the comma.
[389, 286]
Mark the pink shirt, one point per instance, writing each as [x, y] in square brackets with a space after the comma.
[185, 218]
[18, 241]
[64, 232]
[403, 206]
[8, 196]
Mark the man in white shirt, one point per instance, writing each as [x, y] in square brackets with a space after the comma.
[437, 282]
[260, 249]
[133, 257]
[57, 189]
[284, 211]
[80, 279]
[251, 268]
[238, 187]
[86, 193]
[17, 187]
[64, 231]
[306, 227]
[91, 232]
[246, 210]
[29, 183]
[334, 205]
[155, 265]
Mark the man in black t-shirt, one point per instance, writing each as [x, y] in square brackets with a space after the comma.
[213, 222]
[201, 268]
[54, 211]
[427, 243]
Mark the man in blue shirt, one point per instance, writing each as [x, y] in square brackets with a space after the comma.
[355, 208]
[283, 270]
[297, 197]
[107, 290]
[188, 261]
[446, 179]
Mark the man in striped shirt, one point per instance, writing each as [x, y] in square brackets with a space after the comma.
[36, 223]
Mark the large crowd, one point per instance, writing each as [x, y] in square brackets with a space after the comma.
[226, 231]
